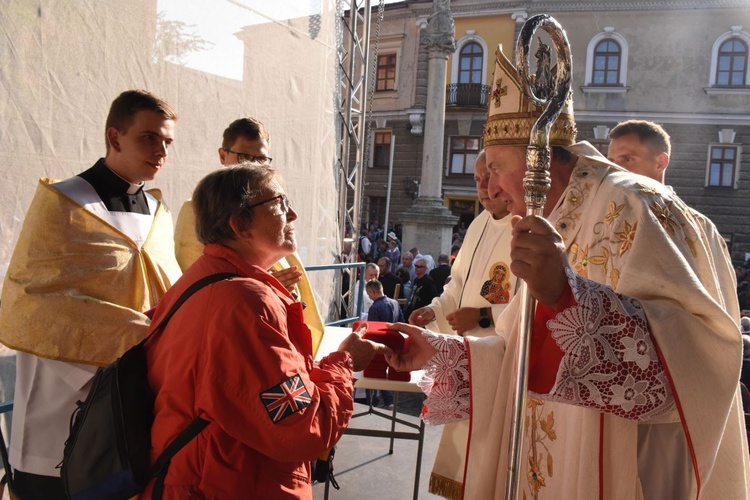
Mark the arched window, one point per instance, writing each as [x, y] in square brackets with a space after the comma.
[730, 56]
[606, 70]
[470, 63]
[731, 68]
[606, 63]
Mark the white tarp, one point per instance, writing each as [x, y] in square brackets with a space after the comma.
[63, 62]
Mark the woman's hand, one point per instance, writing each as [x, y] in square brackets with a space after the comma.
[362, 350]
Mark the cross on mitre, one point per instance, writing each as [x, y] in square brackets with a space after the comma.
[499, 91]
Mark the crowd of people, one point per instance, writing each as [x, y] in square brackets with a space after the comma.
[418, 276]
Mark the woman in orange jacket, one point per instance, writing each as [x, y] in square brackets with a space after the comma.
[239, 355]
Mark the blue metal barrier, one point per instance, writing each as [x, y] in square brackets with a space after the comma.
[360, 291]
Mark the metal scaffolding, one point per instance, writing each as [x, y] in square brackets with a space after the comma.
[354, 72]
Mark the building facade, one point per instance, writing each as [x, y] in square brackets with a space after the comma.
[680, 63]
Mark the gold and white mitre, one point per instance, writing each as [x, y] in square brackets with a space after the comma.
[512, 115]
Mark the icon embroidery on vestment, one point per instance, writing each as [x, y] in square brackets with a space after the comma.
[496, 290]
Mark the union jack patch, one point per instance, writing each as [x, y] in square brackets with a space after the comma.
[286, 398]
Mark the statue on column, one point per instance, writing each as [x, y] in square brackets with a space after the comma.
[440, 30]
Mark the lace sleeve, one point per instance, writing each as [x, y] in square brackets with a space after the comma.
[446, 381]
[610, 360]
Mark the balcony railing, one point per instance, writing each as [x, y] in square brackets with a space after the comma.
[467, 95]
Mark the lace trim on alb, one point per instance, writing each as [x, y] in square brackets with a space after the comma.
[446, 381]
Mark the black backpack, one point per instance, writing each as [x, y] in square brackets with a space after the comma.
[107, 452]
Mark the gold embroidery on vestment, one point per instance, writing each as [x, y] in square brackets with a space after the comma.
[664, 216]
[540, 429]
[647, 189]
[626, 236]
[613, 211]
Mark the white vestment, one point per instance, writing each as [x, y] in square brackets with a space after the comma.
[486, 246]
[650, 340]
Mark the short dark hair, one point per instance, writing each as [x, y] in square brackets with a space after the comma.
[225, 193]
[244, 127]
[649, 133]
[403, 274]
[387, 261]
[374, 285]
[125, 106]
[444, 258]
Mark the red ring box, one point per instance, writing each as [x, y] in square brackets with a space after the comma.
[378, 331]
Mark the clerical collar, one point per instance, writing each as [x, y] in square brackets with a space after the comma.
[132, 188]
[117, 194]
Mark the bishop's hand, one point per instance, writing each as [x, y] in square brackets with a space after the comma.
[417, 350]
[538, 257]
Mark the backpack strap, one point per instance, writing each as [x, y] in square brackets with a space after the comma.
[201, 283]
[161, 466]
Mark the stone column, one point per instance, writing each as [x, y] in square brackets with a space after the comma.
[429, 224]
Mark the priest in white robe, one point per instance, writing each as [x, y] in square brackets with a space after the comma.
[480, 288]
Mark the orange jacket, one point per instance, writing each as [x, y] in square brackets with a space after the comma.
[226, 355]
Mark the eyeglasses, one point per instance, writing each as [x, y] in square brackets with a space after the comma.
[415, 265]
[285, 203]
[247, 157]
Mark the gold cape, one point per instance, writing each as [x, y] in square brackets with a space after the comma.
[76, 286]
[188, 248]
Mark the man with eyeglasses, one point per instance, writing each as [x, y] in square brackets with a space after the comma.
[247, 140]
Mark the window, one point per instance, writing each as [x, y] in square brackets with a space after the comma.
[606, 63]
[381, 150]
[386, 73]
[730, 57]
[470, 63]
[464, 152]
[731, 70]
[722, 166]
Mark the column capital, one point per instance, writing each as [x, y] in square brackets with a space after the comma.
[439, 34]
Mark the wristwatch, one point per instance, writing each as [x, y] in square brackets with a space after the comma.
[484, 319]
